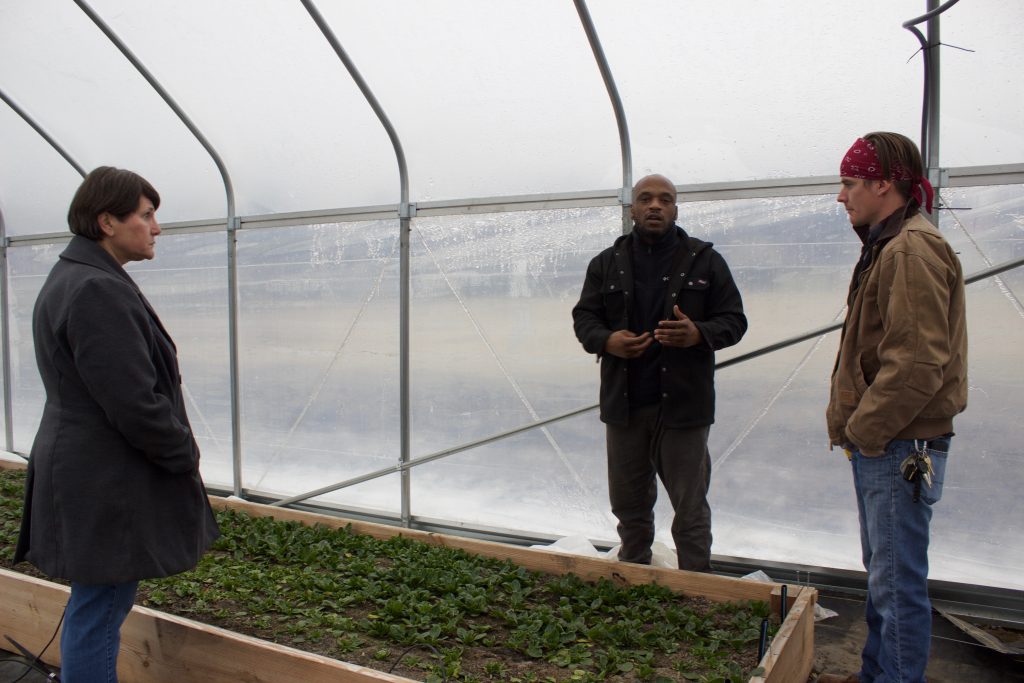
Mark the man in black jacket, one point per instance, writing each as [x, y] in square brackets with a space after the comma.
[654, 308]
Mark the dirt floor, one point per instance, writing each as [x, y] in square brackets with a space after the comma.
[955, 657]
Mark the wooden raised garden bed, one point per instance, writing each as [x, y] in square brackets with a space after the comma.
[161, 648]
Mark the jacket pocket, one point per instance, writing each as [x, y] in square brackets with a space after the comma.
[848, 397]
[860, 380]
[614, 299]
[692, 297]
[850, 387]
[611, 286]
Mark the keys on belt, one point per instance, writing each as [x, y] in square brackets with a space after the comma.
[917, 467]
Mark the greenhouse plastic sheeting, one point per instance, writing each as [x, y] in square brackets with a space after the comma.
[488, 97]
[496, 100]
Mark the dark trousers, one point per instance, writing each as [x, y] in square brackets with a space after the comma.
[642, 451]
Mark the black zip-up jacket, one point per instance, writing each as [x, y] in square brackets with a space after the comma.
[701, 284]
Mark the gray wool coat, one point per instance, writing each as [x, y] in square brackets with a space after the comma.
[113, 492]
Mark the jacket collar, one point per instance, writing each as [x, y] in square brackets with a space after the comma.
[887, 228]
[695, 245]
[89, 252]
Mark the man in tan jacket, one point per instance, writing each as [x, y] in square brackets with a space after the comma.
[900, 378]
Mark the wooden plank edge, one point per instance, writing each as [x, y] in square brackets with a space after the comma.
[980, 634]
[6, 464]
[790, 655]
[798, 626]
[164, 648]
[29, 611]
[691, 584]
[792, 591]
[796, 632]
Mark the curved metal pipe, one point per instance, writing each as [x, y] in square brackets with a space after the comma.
[626, 193]
[405, 213]
[403, 174]
[130, 56]
[5, 330]
[39, 129]
[934, 12]
[231, 226]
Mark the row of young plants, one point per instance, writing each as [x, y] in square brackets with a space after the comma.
[436, 613]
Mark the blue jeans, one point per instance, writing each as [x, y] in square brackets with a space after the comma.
[92, 631]
[894, 544]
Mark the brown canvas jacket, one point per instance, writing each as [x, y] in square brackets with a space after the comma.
[901, 371]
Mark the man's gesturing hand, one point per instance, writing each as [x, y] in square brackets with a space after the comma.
[626, 344]
[680, 332]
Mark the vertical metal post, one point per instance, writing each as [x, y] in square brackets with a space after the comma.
[233, 375]
[404, 406]
[930, 105]
[932, 75]
[5, 331]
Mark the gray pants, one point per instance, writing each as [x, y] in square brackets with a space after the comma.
[679, 457]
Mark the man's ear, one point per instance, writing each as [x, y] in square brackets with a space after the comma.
[883, 187]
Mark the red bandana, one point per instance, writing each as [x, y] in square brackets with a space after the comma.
[861, 161]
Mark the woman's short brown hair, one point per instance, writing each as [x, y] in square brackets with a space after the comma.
[107, 190]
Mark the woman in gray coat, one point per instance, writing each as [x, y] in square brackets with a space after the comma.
[113, 493]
